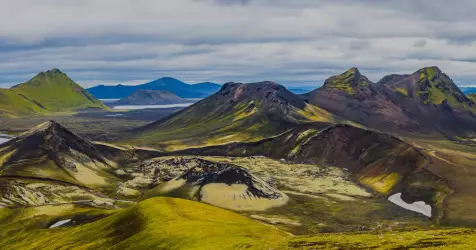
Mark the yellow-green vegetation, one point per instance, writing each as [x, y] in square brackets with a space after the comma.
[381, 183]
[157, 223]
[455, 162]
[14, 105]
[210, 123]
[349, 81]
[17, 220]
[435, 88]
[48, 92]
[472, 97]
[316, 114]
[402, 91]
[434, 239]
[322, 199]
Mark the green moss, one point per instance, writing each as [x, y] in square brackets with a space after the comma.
[349, 81]
[47, 93]
[402, 91]
[159, 223]
[437, 239]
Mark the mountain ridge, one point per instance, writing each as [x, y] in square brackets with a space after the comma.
[426, 101]
[151, 97]
[236, 112]
[181, 89]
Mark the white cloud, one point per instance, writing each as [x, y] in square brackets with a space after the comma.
[292, 42]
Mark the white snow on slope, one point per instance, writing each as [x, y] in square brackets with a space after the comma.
[418, 206]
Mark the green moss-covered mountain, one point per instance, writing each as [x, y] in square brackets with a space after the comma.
[48, 92]
[425, 102]
[350, 81]
[431, 86]
[352, 96]
[238, 112]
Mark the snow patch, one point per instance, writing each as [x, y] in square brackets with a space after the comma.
[4, 138]
[418, 206]
[60, 223]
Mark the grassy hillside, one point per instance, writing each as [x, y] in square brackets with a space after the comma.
[437, 239]
[56, 92]
[13, 104]
[48, 92]
[157, 223]
[238, 112]
[169, 223]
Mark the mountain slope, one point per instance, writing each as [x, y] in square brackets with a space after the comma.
[173, 85]
[352, 96]
[431, 86]
[381, 162]
[157, 223]
[238, 112]
[56, 92]
[48, 92]
[51, 152]
[426, 102]
[167, 223]
[151, 97]
[13, 104]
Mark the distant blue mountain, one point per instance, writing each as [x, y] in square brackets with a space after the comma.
[301, 90]
[184, 90]
[468, 90]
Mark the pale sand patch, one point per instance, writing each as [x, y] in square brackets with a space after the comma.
[88, 176]
[237, 197]
[128, 192]
[51, 210]
[171, 185]
[341, 197]
[274, 220]
[303, 178]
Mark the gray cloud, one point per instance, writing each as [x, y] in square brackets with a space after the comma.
[359, 44]
[292, 42]
[419, 43]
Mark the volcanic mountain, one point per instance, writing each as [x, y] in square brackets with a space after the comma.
[48, 92]
[151, 97]
[199, 90]
[50, 151]
[352, 96]
[238, 112]
[426, 101]
[430, 86]
[430, 97]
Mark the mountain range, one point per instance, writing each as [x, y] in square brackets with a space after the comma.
[237, 112]
[173, 85]
[426, 102]
[151, 97]
[468, 90]
[352, 155]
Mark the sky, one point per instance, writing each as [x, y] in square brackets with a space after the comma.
[294, 43]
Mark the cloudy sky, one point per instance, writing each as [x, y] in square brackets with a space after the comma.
[295, 43]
